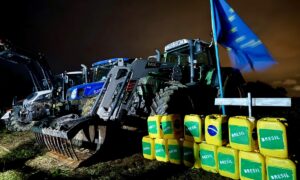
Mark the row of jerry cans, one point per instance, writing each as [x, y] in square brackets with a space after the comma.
[267, 134]
[226, 161]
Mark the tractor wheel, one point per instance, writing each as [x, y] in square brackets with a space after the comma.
[13, 124]
[173, 99]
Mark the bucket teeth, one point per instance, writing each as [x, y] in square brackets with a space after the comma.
[64, 142]
[45, 138]
[50, 143]
[41, 139]
[64, 147]
[37, 138]
[60, 145]
[56, 147]
[72, 150]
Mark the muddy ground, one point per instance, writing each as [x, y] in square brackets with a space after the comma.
[22, 158]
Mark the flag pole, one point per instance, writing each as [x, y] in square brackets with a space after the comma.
[213, 24]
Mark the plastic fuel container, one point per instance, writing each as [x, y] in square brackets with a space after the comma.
[154, 128]
[172, 126]
[193, 128]
[252, 165]
[148, 147]
[241, 131]
[174, 149]
[216, 129]
[161, 150]
[208, 157]
[272, 138]
[188, 153]
[278, 168]
[228, 162]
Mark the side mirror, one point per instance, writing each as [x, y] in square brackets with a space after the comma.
[84, 72]
[120, 62]
[157, 55]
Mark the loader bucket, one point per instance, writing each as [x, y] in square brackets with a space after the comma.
[74, 141]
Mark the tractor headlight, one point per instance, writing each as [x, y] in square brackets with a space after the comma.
[74, 94]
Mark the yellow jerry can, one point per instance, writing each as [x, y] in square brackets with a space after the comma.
[272, 139]
[240, 133]
[188, 153]
[216, 129]
[161, 150]
[172, 126]
[278, 168]
[228, 162]
[148, 148]
[174, 149]
[193, 128]
[197, 163]
[252, 165]
[154, 128]
[208, 157]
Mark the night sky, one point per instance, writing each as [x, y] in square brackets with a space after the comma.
[71, 32]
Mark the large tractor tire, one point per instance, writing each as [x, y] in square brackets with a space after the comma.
[14, 122]
[173, 99]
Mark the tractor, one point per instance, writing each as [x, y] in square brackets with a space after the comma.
[77, 95]
[48, 90]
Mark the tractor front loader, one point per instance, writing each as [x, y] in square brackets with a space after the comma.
[79, 137]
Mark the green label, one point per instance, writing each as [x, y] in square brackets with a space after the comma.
[146, 148]
[152, 127]
[239, 134]
[226, 162]
[167, 127]
[188, 154]
[279, 173]
[207, 158]
[271, 139]
[174, 152]
[192, 128]
[251, 170]
[160, 150]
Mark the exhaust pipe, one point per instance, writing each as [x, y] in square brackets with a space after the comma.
[84, 72]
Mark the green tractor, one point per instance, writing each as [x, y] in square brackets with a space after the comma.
[191, 84]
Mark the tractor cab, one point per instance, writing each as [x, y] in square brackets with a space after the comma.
[101, 68]
[97, 75]
[193, 57]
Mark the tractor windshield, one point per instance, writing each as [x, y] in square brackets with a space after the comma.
[75, 79]
[181, 57]
[100, 73]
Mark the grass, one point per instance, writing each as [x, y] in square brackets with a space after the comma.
[22, 158]
[11, 175]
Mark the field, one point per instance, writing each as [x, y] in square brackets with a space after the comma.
[22, 158]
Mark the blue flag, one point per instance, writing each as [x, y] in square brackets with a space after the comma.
[245, 49]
